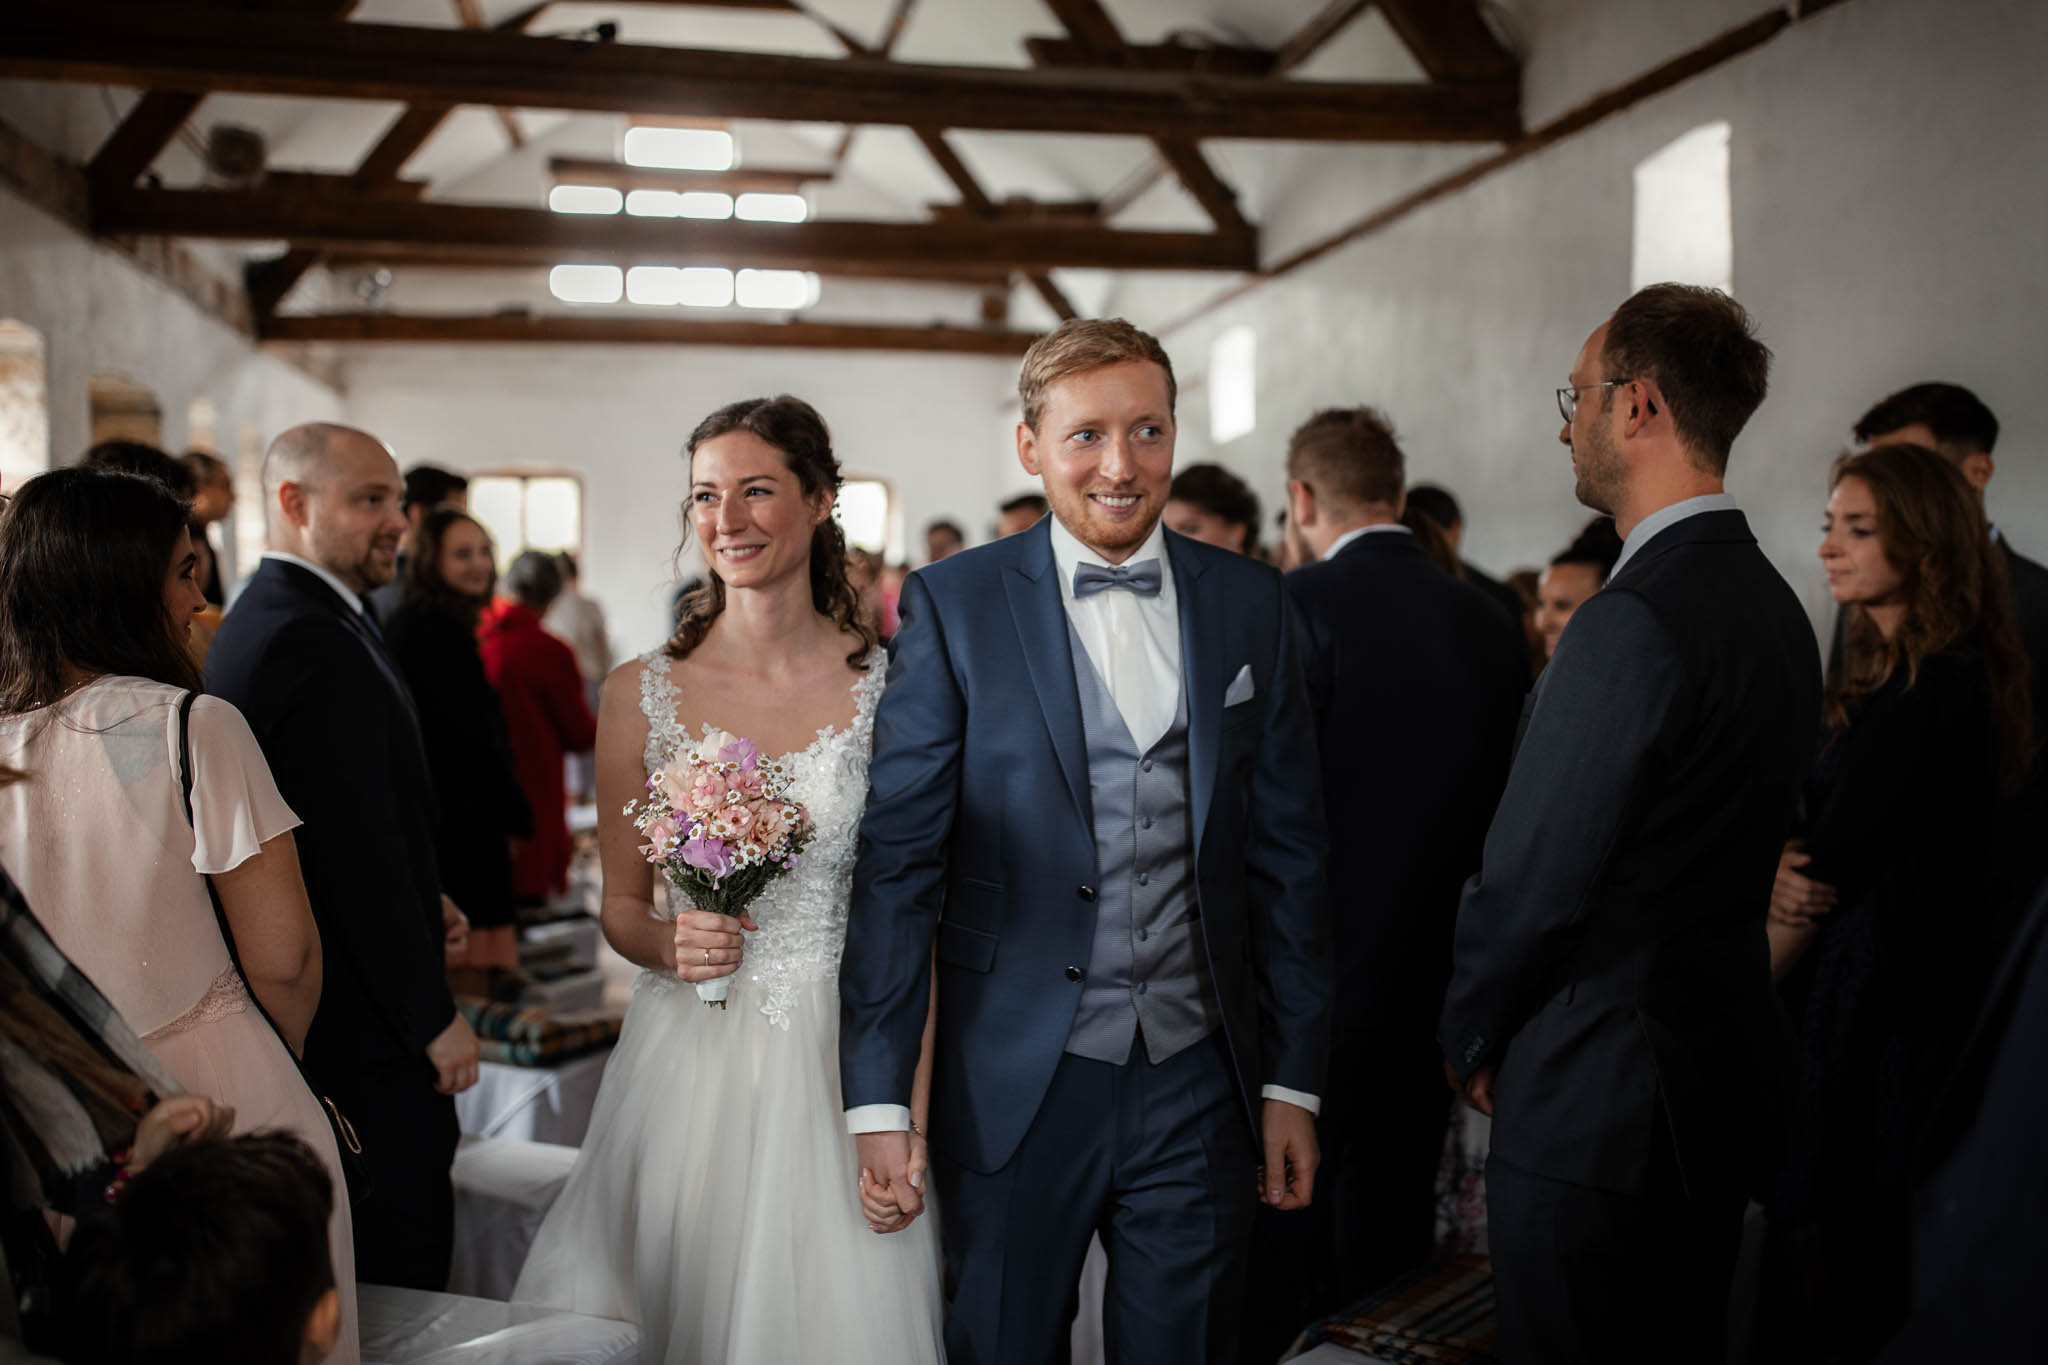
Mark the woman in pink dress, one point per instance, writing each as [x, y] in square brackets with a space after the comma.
[96, 596]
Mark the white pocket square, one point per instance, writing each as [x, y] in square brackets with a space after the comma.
[1241, 689]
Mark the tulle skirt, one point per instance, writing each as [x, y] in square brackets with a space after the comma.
[234, 1058]
[715, 1200]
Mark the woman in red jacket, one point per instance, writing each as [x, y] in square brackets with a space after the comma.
[545, 714]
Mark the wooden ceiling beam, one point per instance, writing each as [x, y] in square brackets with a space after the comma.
[974, 201]
[571, 170]
[560, 328]
[1450, 40]
[334, 222]
[1222, 59]
[1018, 210]
[181, 49]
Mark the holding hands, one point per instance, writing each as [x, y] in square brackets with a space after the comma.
[892, 1173]
[1797, 900]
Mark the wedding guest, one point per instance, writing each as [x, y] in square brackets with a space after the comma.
[213, 1253]
[428, 489]
[1611, 1002]
[483, 811]
[1436, 503]
[146, 461]
[1434, 544]
[1415, 690]
[1020, 513]
[303, 660]
[545, 714]
[96, 595]
[580, 621]
[1210, 504]
[213, 501]
[1525, 583]
[943, 538]
[1578, 571]
[1885, 946]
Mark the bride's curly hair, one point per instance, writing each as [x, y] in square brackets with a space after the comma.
[793, 427]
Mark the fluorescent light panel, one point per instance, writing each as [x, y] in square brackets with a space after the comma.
[679, 149]
[773, 208]
[586, 283]
[584, 199]
[781, 290]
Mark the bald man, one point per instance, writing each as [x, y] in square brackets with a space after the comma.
[306, 665]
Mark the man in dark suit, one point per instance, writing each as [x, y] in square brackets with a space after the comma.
[1415, 689]
[1611, 1002]
[1437, 503]
[306, 665]
[1094, 817]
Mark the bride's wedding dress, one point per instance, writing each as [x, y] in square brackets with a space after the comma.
[714, 1202]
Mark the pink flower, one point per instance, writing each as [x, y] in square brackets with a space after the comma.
[748, 783]
[771, 821]
[740, 751]
[707, 792]
[715, 743]
[661, 835]
[737, 819]
[710, 855]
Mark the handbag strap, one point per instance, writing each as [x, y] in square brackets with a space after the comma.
[344, 1131]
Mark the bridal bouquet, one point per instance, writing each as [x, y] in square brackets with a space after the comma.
[720, 828]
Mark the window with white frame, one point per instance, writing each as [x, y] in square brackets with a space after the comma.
[525, 511]
[1233, 385]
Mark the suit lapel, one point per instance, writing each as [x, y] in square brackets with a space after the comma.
[1032, 586]
[310, 585]
[1201, 671]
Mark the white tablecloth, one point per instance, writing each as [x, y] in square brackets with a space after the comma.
[533, 1103]
[414, 1327]
[503, 1188]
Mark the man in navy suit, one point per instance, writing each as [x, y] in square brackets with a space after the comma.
[303, 660]
[1095, 828]
[1610, 1001]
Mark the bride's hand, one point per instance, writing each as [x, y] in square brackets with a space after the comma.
[708, 946]
[880, 1208]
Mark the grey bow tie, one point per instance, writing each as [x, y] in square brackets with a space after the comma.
[1142, 579]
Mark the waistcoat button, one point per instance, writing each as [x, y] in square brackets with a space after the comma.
[1087, 893]
[1074, 973]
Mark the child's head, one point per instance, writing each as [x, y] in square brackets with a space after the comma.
[215, 1252]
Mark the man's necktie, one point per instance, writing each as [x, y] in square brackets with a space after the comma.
[1142, 579]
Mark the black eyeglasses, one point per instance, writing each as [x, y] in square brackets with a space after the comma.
[1568, 396]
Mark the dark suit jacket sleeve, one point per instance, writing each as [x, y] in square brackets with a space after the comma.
[1284, 880]
[1604, 705]
[363, 895]
[899, 879]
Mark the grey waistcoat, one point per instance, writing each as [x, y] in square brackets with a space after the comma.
[1147, 970]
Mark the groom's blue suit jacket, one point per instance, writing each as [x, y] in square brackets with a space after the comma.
[978, 846]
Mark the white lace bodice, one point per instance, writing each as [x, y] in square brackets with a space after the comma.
[802, 914]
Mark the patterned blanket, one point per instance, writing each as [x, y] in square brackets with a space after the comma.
[506, 1033]
[1439, 1315]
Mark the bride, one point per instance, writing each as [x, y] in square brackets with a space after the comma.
[711, 1202]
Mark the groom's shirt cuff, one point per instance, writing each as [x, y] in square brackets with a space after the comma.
[878, 1118]
[1312, 1103]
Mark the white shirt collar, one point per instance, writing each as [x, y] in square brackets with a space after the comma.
[348, 594]
[1337, 545]
[1068, 551]
[1663, 519]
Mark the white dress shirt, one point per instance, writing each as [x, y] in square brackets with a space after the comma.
[1134, 643]
[1664, 518]
[348, 594]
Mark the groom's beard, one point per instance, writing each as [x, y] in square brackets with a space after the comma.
[1109, 533]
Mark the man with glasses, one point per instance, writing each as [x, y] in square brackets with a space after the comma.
[1611, 1003]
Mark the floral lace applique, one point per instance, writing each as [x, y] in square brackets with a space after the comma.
[225, 996]
[802, 915]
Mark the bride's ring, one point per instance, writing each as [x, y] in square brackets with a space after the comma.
[707, 957]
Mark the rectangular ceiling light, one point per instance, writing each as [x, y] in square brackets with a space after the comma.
[586, 283]
[680, 149]
[773, 208]
[706, 204]
[654, 204]
[705, 287]
[654, 284]
[584, 199]
[781, 290]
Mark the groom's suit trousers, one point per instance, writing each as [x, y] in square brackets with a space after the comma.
[1158, 1160]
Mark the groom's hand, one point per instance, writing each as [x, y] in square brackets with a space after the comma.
[885, 1158]
[1288, 1179]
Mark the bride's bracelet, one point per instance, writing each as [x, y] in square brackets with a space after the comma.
[914, 1128]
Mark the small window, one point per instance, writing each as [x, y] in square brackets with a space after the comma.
[1684, 226]
[528, 512]
[24, 406]
[124, 410]
[867, 512]
[1233, 385]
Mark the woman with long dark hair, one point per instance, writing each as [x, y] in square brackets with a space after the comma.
[432, 636]
[1885, 922]
[710, 1202]
[96, 598]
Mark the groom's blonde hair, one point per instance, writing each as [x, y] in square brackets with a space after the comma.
[1079, 345]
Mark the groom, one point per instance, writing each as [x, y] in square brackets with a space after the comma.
[1095, 807]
